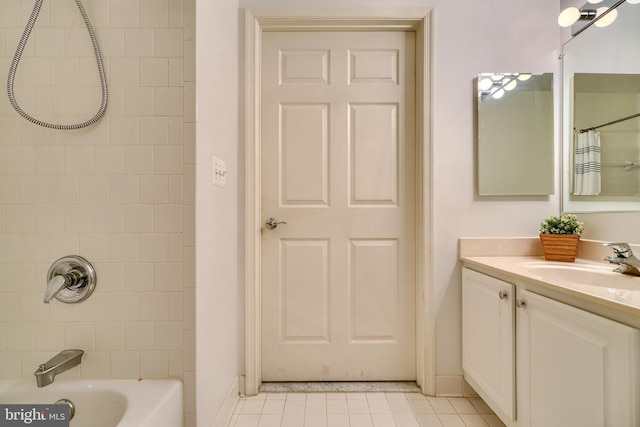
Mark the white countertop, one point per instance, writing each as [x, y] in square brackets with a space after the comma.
[621, 293]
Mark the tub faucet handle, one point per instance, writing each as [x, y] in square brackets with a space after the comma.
[55, 285]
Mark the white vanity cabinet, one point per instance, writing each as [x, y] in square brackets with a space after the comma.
[572, 367]
[488, 336]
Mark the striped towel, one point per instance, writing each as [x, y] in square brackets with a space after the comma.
[587, 164]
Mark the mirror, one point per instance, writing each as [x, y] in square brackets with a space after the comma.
[515, 134]
[601, 116]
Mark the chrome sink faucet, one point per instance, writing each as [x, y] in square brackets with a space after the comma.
[59, 363]
[624, 258]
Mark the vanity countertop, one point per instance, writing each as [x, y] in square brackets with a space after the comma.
[585, 280]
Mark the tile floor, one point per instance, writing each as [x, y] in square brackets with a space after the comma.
[361, 409]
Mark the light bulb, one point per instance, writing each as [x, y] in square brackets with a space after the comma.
[606, 19]
[594, 1]
[498, 94]
[485, 84]
[511, 85]
[525, 77]
[569, 16]
[496, 77]
[633, 1]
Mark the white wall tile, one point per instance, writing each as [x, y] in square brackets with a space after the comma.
[168, 160]
[123, 306]
[154, 306]
[21, 336]
[138, 101]
[168, 42]
[109, 218]
[94, 247]
[125, 13]
[138, 43]
[111, 41]
[154, 130]
[168, 218]
[96, 365]
[168, 277]
[153, 247]
[138, 160]
[49, 336]
[123, 188]
[21, 218]
[79, 335]
[109, 159]
[124, 130]
[168, 101]
[169, 335]
[78, 159]
[78, 218]
[32, 308]
[124, 71]
[49, 41]
[109, 335]
[138, 277]
[154, 72]
[154, 364]
[112, 192]
[125, 364]
[94, 189]
[139, 336]
[49, 219]
[136, 218]
[154, 13]
[123, 247]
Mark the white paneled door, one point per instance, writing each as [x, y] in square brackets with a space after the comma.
[338, 166]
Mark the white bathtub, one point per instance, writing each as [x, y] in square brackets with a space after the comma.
[106, 403]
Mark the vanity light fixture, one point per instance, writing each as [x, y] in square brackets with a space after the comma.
[571, 15]
[580, 18]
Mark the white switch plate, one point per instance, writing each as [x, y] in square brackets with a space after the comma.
[219, 178]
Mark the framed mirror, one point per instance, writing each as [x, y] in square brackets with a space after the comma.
[515, 134]
[601, 116]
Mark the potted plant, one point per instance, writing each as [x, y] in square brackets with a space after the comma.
[559, 237]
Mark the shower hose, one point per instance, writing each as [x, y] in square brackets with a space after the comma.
[16, 61]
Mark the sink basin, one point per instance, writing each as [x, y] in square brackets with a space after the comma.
[582, 274]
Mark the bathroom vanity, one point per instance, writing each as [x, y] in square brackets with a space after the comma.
[552, 344]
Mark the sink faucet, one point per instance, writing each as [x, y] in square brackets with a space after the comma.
[59, 363]
[624, 258]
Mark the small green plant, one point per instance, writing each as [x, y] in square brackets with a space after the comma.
[564, 224]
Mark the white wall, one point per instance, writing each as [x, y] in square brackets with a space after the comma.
[469, 37]
[218, 216]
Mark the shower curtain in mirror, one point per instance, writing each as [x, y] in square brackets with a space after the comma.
[587, 164]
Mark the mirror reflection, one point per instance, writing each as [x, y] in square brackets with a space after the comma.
[601, 116]
[606, 147]
[515, 134]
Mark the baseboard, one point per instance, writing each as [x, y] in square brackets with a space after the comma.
[228, 406]
[453, 386]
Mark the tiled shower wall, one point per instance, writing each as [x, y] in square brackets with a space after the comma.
[119, 193]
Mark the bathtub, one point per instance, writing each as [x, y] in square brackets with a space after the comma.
[105, 403]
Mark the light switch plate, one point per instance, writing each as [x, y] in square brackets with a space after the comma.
[219, 178]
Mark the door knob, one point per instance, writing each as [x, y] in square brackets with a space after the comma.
[272, 223]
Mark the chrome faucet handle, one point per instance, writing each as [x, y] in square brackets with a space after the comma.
[621, 249]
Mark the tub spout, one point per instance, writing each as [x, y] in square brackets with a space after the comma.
[59, 363]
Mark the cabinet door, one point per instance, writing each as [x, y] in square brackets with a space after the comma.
[574, 368]
[488, 340]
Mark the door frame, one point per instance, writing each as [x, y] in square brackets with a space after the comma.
[333, 19]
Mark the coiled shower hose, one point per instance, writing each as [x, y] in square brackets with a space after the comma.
[16, 61]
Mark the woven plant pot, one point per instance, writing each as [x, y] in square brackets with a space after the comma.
[560, 247]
